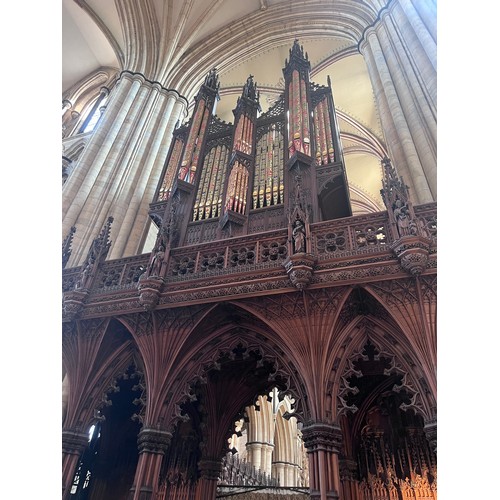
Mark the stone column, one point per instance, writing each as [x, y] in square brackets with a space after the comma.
[323, 445]
[210, 469]
[291, 475]
[400, 55]
[349, 480]
[119, 169]
[278, 470]
[266, 457]
[152, 444]
[254, 453]
[73, 445]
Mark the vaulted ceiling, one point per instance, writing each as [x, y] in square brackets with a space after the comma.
[176, 42]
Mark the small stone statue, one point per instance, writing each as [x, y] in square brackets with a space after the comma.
[86, 273]
[157, 262]
[402, 217]
[299, 236]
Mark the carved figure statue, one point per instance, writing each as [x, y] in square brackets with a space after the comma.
[211, 78]
[157, 262]
[86, 273]
[249, 88]
[299, 236]
[402, 217]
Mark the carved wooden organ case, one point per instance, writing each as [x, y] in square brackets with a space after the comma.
[225, 180]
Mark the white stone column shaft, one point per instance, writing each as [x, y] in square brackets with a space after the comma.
[105, 196]
[120, 166]
[130, 158]
[267, 456]
[152, 156]
[279, 472]
[255, 452]
[398, 137]
[417, 103]
[427, 11]
[421, 56]
[80, 183]
[416, 25]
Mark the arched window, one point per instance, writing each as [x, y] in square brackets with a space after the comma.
[95, 112]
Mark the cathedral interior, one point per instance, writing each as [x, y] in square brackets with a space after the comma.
[249, 250]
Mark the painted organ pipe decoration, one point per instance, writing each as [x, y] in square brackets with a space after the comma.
[173, 162]
[245, 116]
[243, 135]
[191, 155]
[236, 196]
[190, 149]
[209, 196]
[268, 176]
[299, 135]
[325, 152]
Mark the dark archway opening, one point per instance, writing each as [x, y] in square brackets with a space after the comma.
[385, 448]
[106, 470]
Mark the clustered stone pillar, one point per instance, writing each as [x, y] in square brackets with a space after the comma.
[119, 169]
[254, 453]
[260, 455]
[152, 444]
[73, 445]
[400, 53]
[287, 473]
[210, 469]
[349, 479]
[323, 445]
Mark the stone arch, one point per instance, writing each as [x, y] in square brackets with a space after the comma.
[364, 316]
[348, 21]
[100, 356]
[83, 95]
[112, 355]
[219, 329]
[230, 352]
[382, 416]
[229, 382]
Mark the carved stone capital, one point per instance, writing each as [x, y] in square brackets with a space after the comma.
[74, 442]
[348, 469]
[153, 441]
[73, 302]
[412, 252]
[210, 468]
[149, 291]
[300, 269]
[322, 436]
